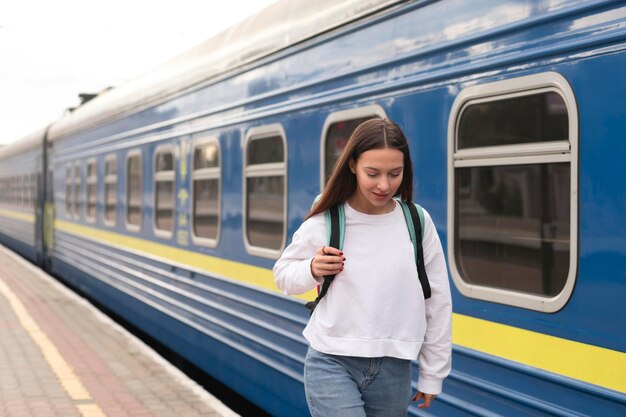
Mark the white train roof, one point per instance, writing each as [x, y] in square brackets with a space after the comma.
[280, 25]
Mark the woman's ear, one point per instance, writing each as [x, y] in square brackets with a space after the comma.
[352, 166]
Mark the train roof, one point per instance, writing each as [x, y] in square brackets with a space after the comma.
[31, 141]
[280, 25]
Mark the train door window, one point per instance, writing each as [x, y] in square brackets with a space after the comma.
[110, 190]
[134, 190]
[92, 182]
[164, 174]
[69, 190]
[76, 194]
[265, 194]
[512, 187]
[338, 128]
[205, 185]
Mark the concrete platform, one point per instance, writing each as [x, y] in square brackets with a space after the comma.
[61, 357]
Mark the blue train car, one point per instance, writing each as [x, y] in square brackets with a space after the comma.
[20, 182]
[169, 199]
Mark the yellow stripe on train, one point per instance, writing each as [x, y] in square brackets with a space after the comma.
[588, 363]
[18, 215]
[592, 364]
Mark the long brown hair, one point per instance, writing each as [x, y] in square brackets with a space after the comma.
[374, 133]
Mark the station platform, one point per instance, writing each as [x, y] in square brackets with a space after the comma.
[61, 357]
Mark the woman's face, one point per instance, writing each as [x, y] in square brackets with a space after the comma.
[378, 177]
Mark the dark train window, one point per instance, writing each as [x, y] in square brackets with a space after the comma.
[20, 191]
[530, 118]
[69, 190]
[76, 194]
[512, 234]
[164, 191]
[110, 190]
[91, 191]
[265, 191]
[337, 131]
[33, 191]
[134, 190]
[206, 192]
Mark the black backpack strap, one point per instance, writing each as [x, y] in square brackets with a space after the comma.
[334, 241]
[419, 258]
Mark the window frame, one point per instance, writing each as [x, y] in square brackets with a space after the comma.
[88, 182]
[166, 234]
[209, 174]
[107, 159]
[277, 168]
[342, 116]
[518, 154]
[131, 226]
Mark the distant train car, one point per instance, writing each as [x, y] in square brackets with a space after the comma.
[169, 199]
[20, 181]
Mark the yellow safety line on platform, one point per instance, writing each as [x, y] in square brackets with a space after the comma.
[70, 382]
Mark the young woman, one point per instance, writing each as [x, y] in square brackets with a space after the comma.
[374, 319]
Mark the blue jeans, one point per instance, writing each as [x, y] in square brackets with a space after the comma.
[347, 386]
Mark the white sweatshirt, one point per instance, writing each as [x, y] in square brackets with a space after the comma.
[375, 307]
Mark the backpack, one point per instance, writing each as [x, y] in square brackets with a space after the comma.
[335, 230]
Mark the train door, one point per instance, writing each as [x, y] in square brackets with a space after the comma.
[38, 218]
[44, 208]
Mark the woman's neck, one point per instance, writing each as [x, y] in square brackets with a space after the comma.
[364, 206]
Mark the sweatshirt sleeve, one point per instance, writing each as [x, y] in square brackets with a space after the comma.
[292, 271]
[436, 353]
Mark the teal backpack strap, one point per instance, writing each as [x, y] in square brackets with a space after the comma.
[329, 222]
[420, 213]
[342, 226]
[409, 224]
[335, 231]
[414, 217]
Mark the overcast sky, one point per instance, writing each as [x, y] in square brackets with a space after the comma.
[50, 51]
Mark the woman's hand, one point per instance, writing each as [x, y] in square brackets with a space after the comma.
[428, 398]
[327, 261]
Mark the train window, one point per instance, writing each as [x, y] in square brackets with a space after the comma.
[337, 130]
[76, 194]
[512, 192]
[134, 191]
[110, 190]
[536, 117]
[33, 191]
[265, 196]
[20, 191]
[69, 190]
[205, 180]
[90, 214]
[164, 191]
